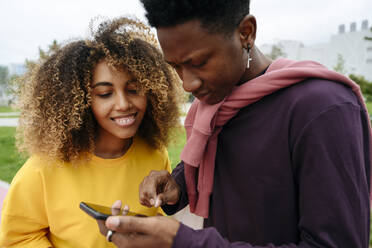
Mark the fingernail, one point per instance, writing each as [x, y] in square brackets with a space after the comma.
[114, 222]
[157, 202]
[117, 203]
[152, 202]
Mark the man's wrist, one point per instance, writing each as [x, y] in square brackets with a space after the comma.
[183, 237]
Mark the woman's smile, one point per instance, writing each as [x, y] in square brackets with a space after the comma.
[125, 121]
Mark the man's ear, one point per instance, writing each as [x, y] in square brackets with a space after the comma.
[247, 29]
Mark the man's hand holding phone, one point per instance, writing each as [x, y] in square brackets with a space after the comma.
[101, 213]
[157, 189]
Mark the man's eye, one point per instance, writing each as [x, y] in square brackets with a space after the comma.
[199, 65]
[174, 66]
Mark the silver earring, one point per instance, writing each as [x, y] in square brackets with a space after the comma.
[249, 56]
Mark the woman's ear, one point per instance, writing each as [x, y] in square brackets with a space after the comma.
[247, 29]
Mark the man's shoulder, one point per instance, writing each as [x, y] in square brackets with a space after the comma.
[319, 92]
[309, 98]
[300, 103]
[312, 94]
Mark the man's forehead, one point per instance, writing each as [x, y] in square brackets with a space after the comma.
[183, 41]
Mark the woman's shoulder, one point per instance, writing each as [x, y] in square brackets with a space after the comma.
[30, 171]
[34, 165]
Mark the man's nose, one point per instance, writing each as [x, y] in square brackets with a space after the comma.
[190, 81]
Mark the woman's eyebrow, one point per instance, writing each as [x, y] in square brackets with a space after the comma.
[102, 84]
[132, 81]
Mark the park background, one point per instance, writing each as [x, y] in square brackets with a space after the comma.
[336, 33]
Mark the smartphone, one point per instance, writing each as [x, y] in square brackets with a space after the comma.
[102, 212]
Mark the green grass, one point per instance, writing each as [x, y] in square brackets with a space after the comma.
[10, 160]
[7, 109]
[369, 107]
[175, 148]
[9, 116]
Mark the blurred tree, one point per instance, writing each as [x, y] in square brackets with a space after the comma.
[369, 38]
[340, 64]
[276, 52]
[43, 55]
[365, 85]
[4, 83]
[16, 81]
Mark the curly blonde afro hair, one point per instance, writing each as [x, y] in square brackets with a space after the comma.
[56, 118]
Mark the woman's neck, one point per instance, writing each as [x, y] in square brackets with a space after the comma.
[112, 148]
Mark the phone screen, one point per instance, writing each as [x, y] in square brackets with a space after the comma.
[102, 212]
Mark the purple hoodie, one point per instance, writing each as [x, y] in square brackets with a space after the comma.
[291, 170]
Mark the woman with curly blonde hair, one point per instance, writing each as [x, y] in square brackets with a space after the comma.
[96, 118]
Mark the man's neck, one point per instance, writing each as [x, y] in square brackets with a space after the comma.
[258, 64]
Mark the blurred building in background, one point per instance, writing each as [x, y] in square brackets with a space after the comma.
[17, 69]
[349, 44]
[5, 98]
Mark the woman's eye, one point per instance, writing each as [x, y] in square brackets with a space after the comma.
[104, 95]
[132, 88]
[132, 91]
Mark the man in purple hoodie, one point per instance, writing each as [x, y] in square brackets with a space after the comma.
[278, 152]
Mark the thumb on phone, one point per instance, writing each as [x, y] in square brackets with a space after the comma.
[115, 207]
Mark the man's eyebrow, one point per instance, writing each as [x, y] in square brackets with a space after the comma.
[102, 84]
[194, 55]
[182, 63]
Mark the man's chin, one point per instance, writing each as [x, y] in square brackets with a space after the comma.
[209, 99]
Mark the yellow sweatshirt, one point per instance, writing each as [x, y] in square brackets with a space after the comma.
[42, 210]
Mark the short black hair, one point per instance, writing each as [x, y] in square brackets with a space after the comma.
[214, 15]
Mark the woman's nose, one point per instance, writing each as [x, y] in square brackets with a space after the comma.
[122, 102]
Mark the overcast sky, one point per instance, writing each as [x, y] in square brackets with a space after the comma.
[26, 25]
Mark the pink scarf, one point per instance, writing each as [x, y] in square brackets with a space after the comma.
[204, 122]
